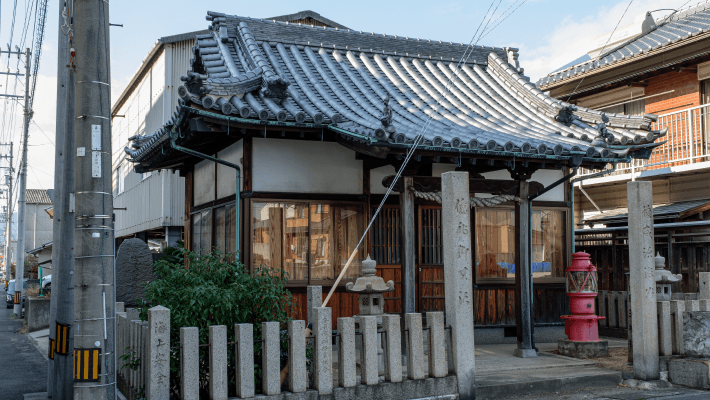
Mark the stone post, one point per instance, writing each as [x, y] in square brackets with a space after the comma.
[368, 371]
[408, 246]
[415, 346]
[218, 362]
[456, 215]
[704, 305]
[692, 305]
[323, 352]
[623, 304]
[704, 285]
[189, 363]
[297, 370]
[642, 281]
[158, 353]
[393, 348]
[665, 336]
[314, 299]
[244, 349]
[270, 359]
[437, 345]
[120, 307]
[677, 310]
[346, 352]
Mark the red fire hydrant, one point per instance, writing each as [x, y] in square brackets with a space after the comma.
[581, 326]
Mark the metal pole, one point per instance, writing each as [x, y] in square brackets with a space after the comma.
[21, 200]
[8, 223]
[94, 285]
[60, 384]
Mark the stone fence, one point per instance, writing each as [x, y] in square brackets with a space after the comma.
[367, 361]
[615, 307]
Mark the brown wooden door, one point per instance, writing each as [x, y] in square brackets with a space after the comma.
[384, 245]
[430, 260]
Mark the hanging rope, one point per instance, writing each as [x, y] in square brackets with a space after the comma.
[475, 201]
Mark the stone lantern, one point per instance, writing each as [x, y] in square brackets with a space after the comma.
[664, 278]
[370, 289]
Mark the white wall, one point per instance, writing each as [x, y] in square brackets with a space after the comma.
[38, 226]
[226, 176]
[204, 183]
[304, 167]
[376, 177]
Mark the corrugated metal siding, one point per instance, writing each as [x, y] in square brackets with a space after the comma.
[182, 53]
[148, 206]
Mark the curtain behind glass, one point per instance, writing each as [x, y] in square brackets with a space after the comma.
[495, 243]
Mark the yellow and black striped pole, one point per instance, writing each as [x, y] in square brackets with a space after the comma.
[86, 365]
[62, 341]
[50, 349]
[18, 297]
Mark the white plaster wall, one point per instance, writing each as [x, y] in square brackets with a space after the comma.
[204, 182]
[546, 177]
[226, 176]
[376, 177]
[304, 167]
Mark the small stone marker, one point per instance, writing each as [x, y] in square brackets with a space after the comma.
[677, 310]
[368, 371]
[134, 267]
[438, 367]
[323, 352]
[665, 332]
[346, 352]
[190, 363]
[297, 371]
[218, 362]
[393, 348]
[244, 348]
[271, 359]
[642, 281]
[314, 299]
[415, 345]
[456, 216]
[159, 353]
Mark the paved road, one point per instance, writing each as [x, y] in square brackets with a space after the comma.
[22, 368]
[622, 393]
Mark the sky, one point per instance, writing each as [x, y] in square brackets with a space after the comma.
[548, 34]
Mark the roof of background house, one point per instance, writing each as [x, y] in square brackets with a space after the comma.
[47, 246]
[39, 196]
[681, 26]
[306, 16]
[263, 72]
[681, 209]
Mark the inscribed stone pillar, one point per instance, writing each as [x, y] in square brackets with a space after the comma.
[408, 245]
[158, 385]
[315, 299]
[456, 216]
[642, 281]
[523, 302]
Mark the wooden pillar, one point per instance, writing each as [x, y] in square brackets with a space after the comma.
[523, 303]
[408, 246]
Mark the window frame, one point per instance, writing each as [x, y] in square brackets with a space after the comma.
[536, 280]
[310, 281]
[213, 214]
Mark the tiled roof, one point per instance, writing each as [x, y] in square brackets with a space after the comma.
[39, 196]
[680, 26]
[307, 14]
[660, 211]
[273, 71]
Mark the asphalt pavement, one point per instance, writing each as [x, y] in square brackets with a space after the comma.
[22, 368]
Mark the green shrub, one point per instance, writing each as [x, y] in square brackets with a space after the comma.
[215, 290]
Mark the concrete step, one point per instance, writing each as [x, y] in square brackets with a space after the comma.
[505, 384]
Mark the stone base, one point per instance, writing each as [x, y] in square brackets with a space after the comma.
[646, 385]
[690, 372]
[696, 333]
[525, 353]
[583, 350]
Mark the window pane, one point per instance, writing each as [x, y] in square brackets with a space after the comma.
[219, 229]
[296, 241]
[196, 229]
[267, 235]
[495, 243]
[385, 236]
[548, 237]
[206, 232]
[335, 232]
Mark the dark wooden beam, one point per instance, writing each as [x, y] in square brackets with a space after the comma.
[493, 186]
[523, 303]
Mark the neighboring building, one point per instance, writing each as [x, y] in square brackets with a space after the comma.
[38, 224]
[302, 111]
[44, 257]
[661, 68]
[151, 206]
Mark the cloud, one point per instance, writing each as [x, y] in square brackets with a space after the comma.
[573, 37]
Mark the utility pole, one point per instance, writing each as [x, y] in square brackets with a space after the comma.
[60, 382]
[21, 199]
[94, 290]
[8, 223]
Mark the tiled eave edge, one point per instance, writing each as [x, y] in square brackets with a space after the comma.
[186, 111]
[630, 60]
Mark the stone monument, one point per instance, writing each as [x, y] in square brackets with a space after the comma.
[134, 267]
[458, 268]
[642, 281]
